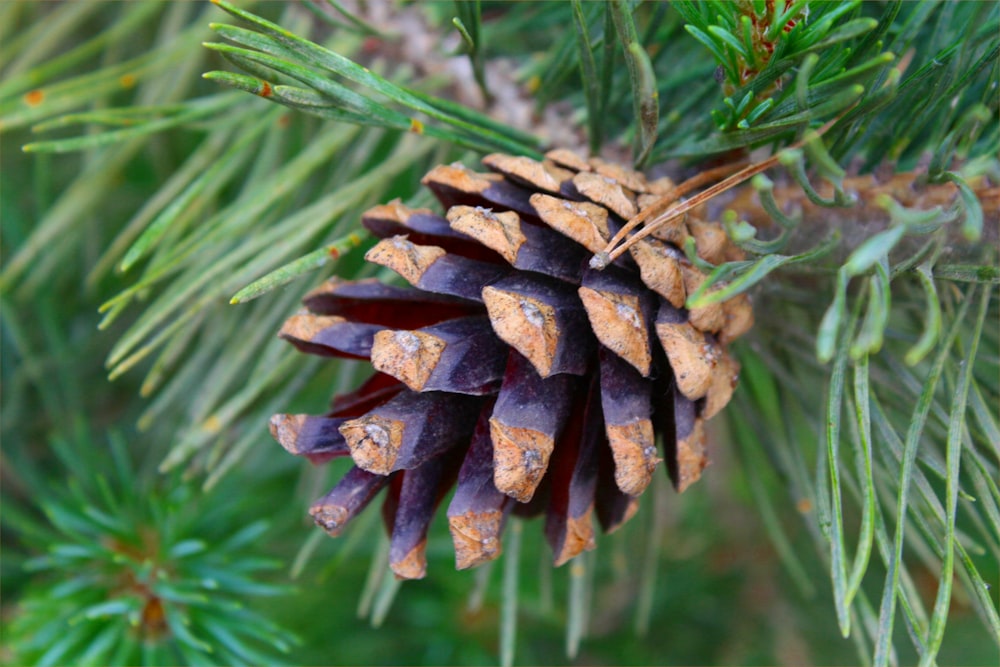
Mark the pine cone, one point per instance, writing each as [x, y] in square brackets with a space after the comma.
[511, 370]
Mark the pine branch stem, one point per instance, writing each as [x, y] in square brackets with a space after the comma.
[615, 248]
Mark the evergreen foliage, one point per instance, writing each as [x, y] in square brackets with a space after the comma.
[146, 587]
[193, 216]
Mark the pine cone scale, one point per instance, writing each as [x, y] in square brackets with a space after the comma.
[373, 302]
[420, 493]
[461, 356]
[541, 319]
[478, 510]
[621, 313]
[408, 430]
[607, 192]
[456, 185]
[315, 438]
[692, 355]
[687, 457]
[568, 526]
[431, 269]
[583, 222]
[330, 336]
[626, 401]
[525, 246]
[347, 499]
[545, 175]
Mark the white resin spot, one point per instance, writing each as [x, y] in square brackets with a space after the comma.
[531, 459]
[629, 314]
[407, 341]
[486, 213]
[532, 314]
[378, 435]
[711, 353]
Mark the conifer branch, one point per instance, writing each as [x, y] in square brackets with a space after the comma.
[866, 407]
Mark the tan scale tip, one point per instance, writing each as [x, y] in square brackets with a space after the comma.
[724, 380]
[704, 318]
[583, 222]
[306, 326]
[567, 158]
[520, 459]
[710, 239]
[404, 257]
[631, 179]
[691, 457]
[459, 177]
[526, 324]
[330, 518]
[500, 232]
[607, 192]
[579, 537]
[408, 356]
[476, 536]
[691, 356]
[541, 175]
[633, 447]
[395, 210]
[285, 429]
[618, 322]
[374, 442]
[738, 318]
[660, 271]
[413, 565]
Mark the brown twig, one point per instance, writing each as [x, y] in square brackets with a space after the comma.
[613, 250]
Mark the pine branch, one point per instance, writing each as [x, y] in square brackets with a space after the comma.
[884, 323]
